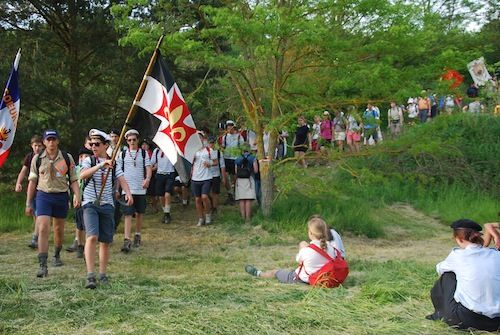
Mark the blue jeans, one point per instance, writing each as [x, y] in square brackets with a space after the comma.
[422, 114]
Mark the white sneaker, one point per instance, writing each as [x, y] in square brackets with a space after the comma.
[208, 218]
[200, 222]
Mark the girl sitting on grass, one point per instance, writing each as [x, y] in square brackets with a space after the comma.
[309, 260]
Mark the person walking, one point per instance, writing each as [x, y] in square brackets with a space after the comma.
[201, 182]
[136, 167]
[52, 175]
[98, 212]
[36, 147]
[395, 119]
[165, 180]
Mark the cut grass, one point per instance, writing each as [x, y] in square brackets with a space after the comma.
[190, 280]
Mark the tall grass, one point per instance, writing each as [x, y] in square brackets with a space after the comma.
[12, 206]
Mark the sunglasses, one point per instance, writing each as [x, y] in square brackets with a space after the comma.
[132, 140]
[95, 144]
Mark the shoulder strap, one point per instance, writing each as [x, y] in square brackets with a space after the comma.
[218, 158]
[156, 155]
[321, 251]
[225, 141]
[124, 151]
[144, 162]
[93, 163]
[39, 161]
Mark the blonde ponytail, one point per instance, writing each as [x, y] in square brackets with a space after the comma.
[319, 230]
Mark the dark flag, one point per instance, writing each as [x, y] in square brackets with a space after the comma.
[164, 116]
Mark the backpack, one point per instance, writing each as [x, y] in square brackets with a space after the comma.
[93, 162]
[124, 152]
[333, 273]
[66, 159]
[244, 169]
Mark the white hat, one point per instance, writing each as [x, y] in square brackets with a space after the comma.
[131, 132]
[326, 113]
[230, 122]
[100, 133]
[410, 100]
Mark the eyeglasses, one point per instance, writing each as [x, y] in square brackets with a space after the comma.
[95, 144]
[132, 140]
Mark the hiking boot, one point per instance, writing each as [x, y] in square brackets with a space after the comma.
[90, 283]
[56, 261]
[73, 247]
[137, 240]
[167, 218]
[103, 280]
[208, 219]
[34, 242]
[251, 270]
[126, 246]
[79, 251]
[200, 222]
[214, 211]
[43, 271]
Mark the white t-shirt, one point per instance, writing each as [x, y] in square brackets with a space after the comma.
[215, 155]
[232, 141]
[200, 171]
[163, 163]
[133, 173]
[412, 111]
[315, 131]
[252, 139]
[478, 278]
[337, 242]
[312, 261]
[265, 141]
[91, 191]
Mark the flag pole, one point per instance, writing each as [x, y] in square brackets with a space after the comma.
[131, 113]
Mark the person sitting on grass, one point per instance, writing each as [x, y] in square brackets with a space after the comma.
[310, 261]
[467, 295]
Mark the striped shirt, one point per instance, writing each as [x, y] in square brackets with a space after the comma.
[214, 155]
[91, 191]
[162, 161]
[134, 175]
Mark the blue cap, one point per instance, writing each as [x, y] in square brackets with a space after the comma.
[50, 133]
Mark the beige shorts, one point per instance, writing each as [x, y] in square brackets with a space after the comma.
[340, 136]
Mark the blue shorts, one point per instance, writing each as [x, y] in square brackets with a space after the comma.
[99, 221]
[201, 187]
[138, 207]
[165, 183]
[52, 204]
[33, 204]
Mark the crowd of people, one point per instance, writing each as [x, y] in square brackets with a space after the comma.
[105, 191]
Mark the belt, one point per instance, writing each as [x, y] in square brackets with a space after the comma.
[165, 174]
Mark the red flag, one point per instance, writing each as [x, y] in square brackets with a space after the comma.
[453, 75]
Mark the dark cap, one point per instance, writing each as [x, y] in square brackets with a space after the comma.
[211, 139]
[466, 224]
[50, 133]
[113, 132]
[85, 151]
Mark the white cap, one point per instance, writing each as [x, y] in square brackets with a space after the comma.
[326, 113]
[131, 132]
[230, 122]
[410, 100]
[100, 133]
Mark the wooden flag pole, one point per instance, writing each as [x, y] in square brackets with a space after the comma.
[130, 114]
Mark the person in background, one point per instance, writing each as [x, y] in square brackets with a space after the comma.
[151, 191]
[370, 124]
[136, 167]
[201, 182]
[316, 129]
[79, 242]
[165, 180]
[326, 132]
[36, 147]
[467, 294]
[218, 173]
[114, 135]
[52, 175]
[302, 141]
[424, 106]
[395, 119]
[231, 143]
[339, 129]
[353, 131]
[245, 194]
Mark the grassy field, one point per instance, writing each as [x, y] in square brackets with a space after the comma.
[190, 280]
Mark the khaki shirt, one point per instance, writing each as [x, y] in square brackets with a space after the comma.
[52, 177]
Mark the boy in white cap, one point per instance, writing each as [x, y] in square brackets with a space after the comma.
[136, 167]
[98, 211]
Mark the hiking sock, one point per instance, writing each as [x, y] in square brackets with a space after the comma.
[166, 209]
[184, 202]
[90, 274]
[258, 273]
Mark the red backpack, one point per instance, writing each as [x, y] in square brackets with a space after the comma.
[333, 273]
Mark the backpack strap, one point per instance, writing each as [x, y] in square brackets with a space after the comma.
[68, 164]
[322, 252]
[124, 152]
[144, 162]
[39, 162]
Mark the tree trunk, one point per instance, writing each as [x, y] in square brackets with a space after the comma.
[267, 186]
